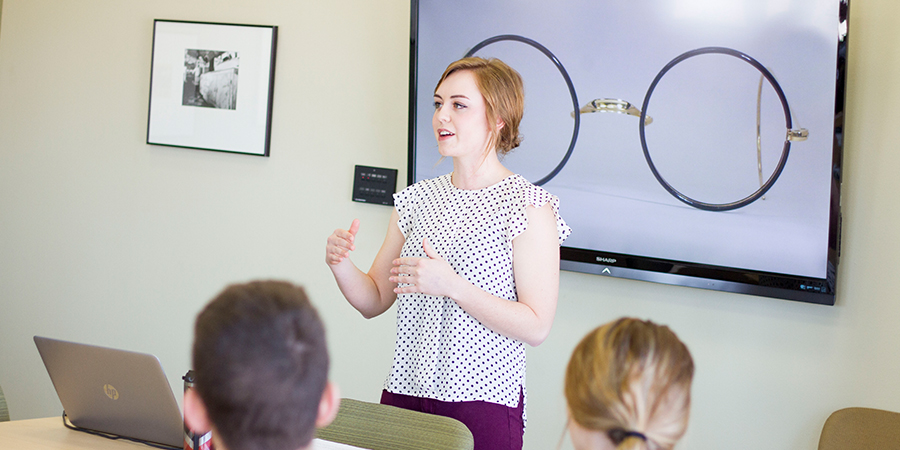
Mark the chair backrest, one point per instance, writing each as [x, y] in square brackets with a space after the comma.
[860, 428]
[383, 427]
[4, 412]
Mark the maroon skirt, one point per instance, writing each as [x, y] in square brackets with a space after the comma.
[493, 426]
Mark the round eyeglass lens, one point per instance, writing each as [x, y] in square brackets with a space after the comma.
[718, 139]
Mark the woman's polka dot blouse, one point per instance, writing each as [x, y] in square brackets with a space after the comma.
[441, 351]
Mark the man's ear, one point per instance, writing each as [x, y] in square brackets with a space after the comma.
[328, 405]
[195, 413]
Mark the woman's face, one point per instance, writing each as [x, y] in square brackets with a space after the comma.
[460, 123]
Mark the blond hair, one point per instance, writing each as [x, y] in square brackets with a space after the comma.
[504, 97]
[631, 379]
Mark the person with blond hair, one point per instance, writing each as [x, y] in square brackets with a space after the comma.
[628, 386]
[471, 258]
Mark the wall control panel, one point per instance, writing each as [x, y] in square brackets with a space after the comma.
[374, 185]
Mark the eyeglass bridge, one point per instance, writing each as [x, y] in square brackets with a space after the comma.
[613, 105]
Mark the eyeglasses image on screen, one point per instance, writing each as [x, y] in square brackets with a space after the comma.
[705, 161]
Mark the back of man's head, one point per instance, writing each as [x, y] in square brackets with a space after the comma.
[261, 365]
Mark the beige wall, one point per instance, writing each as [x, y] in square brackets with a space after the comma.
[107, 240]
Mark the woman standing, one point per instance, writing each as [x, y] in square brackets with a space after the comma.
[472, 256]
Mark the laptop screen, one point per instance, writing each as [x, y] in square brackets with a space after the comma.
[113, 391]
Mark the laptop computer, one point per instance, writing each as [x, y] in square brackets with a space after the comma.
[113, 391]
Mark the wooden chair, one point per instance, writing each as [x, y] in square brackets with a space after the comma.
[861, 428]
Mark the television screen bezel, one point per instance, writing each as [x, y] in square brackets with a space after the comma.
[691, 274]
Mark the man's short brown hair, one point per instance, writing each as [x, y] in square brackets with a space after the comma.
[261, 365]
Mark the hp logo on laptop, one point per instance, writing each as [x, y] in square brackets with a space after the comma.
[110, 391]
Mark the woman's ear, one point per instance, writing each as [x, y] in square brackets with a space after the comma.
[328, 405]
[500, 123]
[195, 413]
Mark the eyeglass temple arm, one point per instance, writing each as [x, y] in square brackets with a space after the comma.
[794, 135]
[613, 105]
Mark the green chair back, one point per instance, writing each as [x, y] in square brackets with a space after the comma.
[4, 411]
[382, 427]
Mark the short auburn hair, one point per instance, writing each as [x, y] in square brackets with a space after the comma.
[631, 375]
[504, 97]
[261, 365]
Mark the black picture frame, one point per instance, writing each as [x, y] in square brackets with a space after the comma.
[211, 86]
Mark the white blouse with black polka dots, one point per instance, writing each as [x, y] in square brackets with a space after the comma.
[442, 352]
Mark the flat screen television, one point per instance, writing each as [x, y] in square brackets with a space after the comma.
[691, 142]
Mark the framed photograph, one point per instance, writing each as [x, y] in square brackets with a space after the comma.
[211, 86]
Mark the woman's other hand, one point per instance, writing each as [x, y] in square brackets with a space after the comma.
[431, 275]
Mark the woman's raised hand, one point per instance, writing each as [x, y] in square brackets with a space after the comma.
[340, 244]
